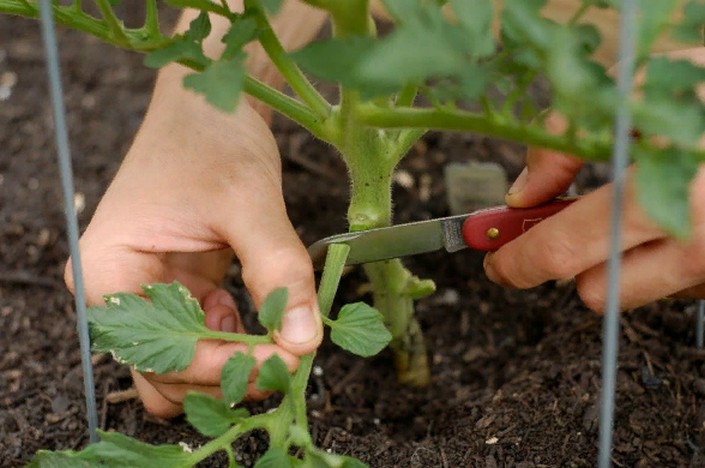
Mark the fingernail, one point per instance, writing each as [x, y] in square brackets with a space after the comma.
[299, 325]
[489, 269]
[519, 183]
[228, 324]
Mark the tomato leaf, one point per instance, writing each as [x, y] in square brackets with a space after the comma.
[221, 82]
[359, 329]
[316, 458]
[241, 32]
[272, 7]
[235, 376]
[663, 187]
[211, 416]
[273, 375]
[158, 336]
[272, 310]
[273, 458]
[117, 451]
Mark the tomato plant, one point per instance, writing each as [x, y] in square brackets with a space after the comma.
[444, 65]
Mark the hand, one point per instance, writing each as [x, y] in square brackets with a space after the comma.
[196, 186]
[576, 241]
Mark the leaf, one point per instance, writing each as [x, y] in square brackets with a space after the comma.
[272, 310]
[690, 26]
[476, 20]
[158, 336]
[274, 458]
[221, 82]
[317, 458]
[683, 123]
[663, 187]
[672, 79]
[241, 32]
[273, 375]
[199, 28]
[333, 59]
[117, 451]
[211, 416]
[235, 377]
[272, 7]
[359, 329]
[179, 49]
[654, 18]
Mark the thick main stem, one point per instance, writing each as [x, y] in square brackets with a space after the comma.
[371, 158]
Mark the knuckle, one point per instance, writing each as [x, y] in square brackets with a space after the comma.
[558, 258]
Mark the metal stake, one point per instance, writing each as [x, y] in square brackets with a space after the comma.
[62, 145]
[619, 162]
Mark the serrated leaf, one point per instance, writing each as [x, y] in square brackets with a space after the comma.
[116, 451]
[241, 32]
[272, 310]
[672, 79]
[199, 28]
[177, 50]
[654, 19]
[476, 20]
[210, 416]
[663, 188]
[273, 375]
[220, 83]
[274, 458]
[235, 376]
[681, 122]
[158, 336]
[359, 329]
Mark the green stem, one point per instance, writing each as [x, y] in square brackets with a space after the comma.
[457, 119]
[286, 66]
[260, 421]
[151, 23]
[115, 25]
[288, 107]
[332, 272]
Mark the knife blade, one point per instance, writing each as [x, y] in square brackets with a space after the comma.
[487, 229]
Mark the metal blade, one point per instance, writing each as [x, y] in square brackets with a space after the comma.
[402, 240]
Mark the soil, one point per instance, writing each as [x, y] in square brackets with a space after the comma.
[515, 374]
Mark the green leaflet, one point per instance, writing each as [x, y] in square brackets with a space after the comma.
[663, 184]
[210, 416]
[690, 28]
[272, 310]
[235, 377]
[241, 32]
[187, 47]
[316, 458]
[158, 336]
[221, 82]
[273, 375]
[273, 458]
[359, 329]
[117, 451]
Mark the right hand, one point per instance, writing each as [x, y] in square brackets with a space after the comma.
[197, 186]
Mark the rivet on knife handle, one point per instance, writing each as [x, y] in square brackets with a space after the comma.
[490, 229]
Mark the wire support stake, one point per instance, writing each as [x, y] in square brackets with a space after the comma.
[64, 157]
[610, 330]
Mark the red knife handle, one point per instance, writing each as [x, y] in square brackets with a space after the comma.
[491, 228]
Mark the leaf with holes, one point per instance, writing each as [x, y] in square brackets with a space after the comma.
[158, 336]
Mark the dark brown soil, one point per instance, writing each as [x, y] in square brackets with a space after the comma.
[516, 374]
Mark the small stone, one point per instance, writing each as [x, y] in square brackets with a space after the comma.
[492, 441]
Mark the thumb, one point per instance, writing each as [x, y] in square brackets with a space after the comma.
[272, 256]
[547, 173]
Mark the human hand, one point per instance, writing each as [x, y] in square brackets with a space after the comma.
[196, 186]
[576, 241]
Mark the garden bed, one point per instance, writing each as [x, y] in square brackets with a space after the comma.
[515, 374]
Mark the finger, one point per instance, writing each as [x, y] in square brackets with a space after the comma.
[547, 174]
[221, 312]
[154, 402]
[570, 242]
[272, 256]
[211, 356]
